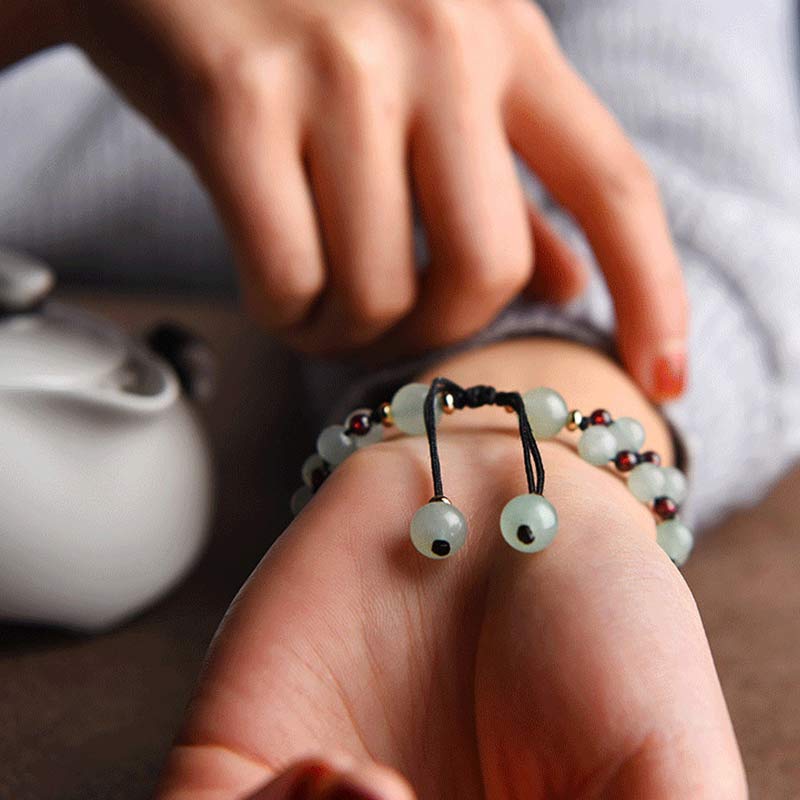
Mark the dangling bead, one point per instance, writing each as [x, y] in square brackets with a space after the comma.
[676, 540]
[675, 486]
[299, 499]
[438, 529]
[629, 434]
[334, 445]
[547, 412]
[646, 482]
[597, 445]
[529, 523]
[408, 406]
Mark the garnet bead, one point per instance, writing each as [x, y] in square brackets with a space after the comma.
[626, 460]
[665, 507]
[600, 417]
[651, 458]
[358, 423]
[318, 477]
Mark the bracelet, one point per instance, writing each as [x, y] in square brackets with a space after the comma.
[528, 522]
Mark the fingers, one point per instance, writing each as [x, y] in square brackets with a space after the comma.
[481, 253]
[466, 185]
[579, 151]
[332, 778]
[251, 160]
[308, 167]
[560, 275]
[357, 164]
[210, 771]
[317, 780]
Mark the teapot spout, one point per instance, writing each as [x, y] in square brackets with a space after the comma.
[141, 385]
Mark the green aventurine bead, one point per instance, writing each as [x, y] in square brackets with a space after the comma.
[547, 411]
[646, 482]
[675, 539]
[629, 434]
[597, 445]
[675, 485]
[300, 499]
[408, 406]
[529, 523]
[334, 445]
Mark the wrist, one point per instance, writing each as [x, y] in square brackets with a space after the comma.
[529, 520]
[586, 379]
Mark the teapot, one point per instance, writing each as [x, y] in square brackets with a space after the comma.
[105, 475]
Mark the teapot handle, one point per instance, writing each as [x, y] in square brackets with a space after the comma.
[189, 355]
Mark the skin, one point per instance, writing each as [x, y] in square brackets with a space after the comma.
[579, 672]
[311, 121]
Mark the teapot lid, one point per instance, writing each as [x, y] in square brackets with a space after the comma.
[24, 282]
[49, 346]
[57, 348]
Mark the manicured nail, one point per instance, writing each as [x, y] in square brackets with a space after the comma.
[311, 781]
[669, 375]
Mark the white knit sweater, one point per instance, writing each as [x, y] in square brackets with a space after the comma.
[708, 90]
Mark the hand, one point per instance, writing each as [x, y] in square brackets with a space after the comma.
[305, 118]
[582, 671]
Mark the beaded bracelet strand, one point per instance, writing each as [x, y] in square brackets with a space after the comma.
[528, 522]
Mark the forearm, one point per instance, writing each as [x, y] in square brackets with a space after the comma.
[586, 378]
[29, 26]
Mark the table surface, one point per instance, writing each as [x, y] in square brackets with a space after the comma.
[92, 717]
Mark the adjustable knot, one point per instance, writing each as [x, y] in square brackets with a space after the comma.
[477, 396]
[453, 396]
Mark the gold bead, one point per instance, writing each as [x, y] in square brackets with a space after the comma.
[574, 420]
[448, 403]
[385, 411]
[440, 498]
[510, 410]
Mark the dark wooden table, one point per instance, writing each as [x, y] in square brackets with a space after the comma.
[84, 718]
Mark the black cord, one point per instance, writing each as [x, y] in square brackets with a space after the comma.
[475, 397]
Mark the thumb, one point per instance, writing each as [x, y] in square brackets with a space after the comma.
[319, 780]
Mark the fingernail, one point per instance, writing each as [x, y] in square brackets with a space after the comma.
[669, 375]
[310, 782]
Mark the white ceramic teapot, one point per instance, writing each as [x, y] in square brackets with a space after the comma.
[105, 479]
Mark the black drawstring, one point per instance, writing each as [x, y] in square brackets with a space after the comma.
[475, 397]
